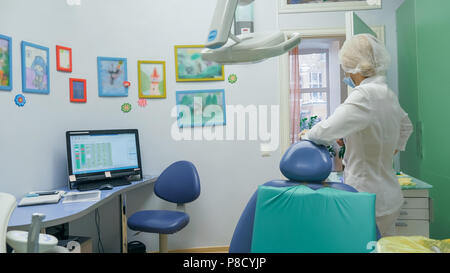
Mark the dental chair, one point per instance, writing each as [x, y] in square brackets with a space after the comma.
[7, 206]
[23, 241]
[283, 215]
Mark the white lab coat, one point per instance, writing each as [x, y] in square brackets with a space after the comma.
[374, 125]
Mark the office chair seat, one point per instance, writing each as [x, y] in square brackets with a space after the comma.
[158, 221]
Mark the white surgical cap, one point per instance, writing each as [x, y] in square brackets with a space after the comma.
[364, 54]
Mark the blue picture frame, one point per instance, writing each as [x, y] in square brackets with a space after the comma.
[35, 68]
[209, 97]
[9, 86]
[110, 78]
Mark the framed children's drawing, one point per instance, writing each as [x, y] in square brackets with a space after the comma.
[78, 90]
[191, 67]
[152, 79]
[5, 63]
[112, 77]
[201, 108]
[63, 59]
[35, 68]
[297, 6]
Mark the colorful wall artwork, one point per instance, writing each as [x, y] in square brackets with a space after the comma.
[63, 59]
[190, 65]
[78, 90]
[294, 6]
[35, 68]
[152, 79]
[112, 73]
[201, 108]
[5, 63]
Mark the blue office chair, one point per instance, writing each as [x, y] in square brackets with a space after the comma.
[179, 184]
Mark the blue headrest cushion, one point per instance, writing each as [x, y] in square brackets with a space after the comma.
[306, 162]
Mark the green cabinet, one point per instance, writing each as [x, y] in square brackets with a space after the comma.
[423, 33]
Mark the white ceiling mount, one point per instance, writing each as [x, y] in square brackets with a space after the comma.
[225, 48]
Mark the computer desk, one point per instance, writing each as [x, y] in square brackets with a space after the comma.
[56, 214]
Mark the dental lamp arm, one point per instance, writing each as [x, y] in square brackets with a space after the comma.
[220, 29]
[225, 48]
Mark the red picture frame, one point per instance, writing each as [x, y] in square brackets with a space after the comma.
[59, 65]
[75, 94]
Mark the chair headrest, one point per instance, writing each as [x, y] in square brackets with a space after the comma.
[306, 162]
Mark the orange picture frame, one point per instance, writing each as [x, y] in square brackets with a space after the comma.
[76, 93]
[63, 58]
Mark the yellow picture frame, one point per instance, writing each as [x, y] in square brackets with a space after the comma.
[205, 68]
[149, 83]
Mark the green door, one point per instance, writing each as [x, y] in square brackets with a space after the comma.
[433, 43]
[424, 89]
[410, 160]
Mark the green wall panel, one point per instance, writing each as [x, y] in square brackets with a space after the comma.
[433, 44]
[431, 23]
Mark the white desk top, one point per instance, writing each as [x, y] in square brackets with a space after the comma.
[56, 214]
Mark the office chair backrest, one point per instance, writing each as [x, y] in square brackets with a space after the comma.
[179, 183]
[7, 205]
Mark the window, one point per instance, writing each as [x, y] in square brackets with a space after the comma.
[314, 86]
[316, 80]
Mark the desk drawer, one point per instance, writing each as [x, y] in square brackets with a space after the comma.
[414, 214]
[412, 228]
[416, 193]
[416, 203]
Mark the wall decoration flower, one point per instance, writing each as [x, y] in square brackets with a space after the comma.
[126, 107]
[232, 78]
[142, 102]
[20, 100]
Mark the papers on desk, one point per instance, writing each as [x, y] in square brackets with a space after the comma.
[86, 196]
[35, 199]
[405, 181]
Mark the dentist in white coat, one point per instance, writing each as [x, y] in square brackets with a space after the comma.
[373, 125]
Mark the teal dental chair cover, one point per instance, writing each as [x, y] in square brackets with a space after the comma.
[302, 220]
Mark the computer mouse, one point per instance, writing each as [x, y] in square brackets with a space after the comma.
[106, 187]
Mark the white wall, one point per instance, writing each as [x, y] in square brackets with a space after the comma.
[32, 143]
[32, 140]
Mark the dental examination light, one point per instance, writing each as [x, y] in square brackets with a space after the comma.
[225, 48]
